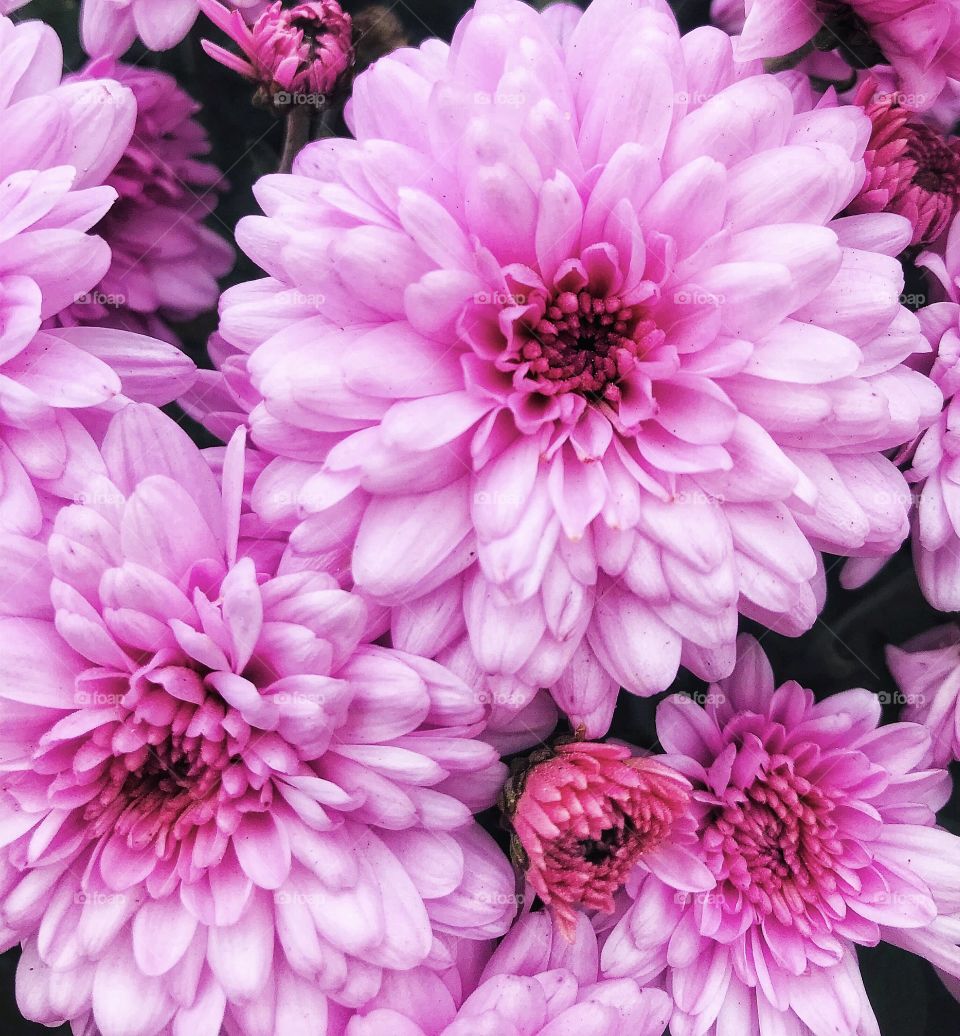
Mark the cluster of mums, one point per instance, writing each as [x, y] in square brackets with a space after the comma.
[588, 342]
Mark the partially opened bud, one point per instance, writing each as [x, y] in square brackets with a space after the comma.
[582, 819]
[912, 169]
[295, 55]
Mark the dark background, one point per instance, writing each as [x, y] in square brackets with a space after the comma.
[844, 649]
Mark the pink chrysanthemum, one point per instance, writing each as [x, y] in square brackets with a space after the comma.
[219, 803]
[60, 142]
[927, 670]
[920, 39]
[585, 815]
[577, 365]
[911, 168]
[819, 827]
[294, 52]
[109, 27]
[165, 262]
[538, 983]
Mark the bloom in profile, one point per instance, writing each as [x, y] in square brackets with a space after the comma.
[164, 261]
[927, 671]
[918, 38]
[221, 803]
[577, 379]
[109, 27]
[289, 52]
[58, 384]
[912, 169]
[819, 827]
[584, 815]
[538, 982]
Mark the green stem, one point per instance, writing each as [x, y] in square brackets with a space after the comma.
[297, 134]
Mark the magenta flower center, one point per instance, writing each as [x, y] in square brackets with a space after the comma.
[614, 843]
[151, 791]
[584, 343]
[938, 165]
[776, 842]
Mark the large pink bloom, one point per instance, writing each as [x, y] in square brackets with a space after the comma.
[819, 828]
[570, 349]
[539, 982]
[927, 670]
[60, 141]
[920, 39]
[164, 261]
[220, 804]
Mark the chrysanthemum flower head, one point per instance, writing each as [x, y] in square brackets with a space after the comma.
[220, 804]
[539, 982]
[61, 141]
[912, 169]
[295, 55]
[164, 261]
[570, 348]
[584, 815]
[819, 827]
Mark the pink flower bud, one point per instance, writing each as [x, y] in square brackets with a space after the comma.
[295, 54]
[584, 817]
[912, 169]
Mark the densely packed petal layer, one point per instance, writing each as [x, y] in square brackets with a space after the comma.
[568, 357]
[220, 804]
[819, 828]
